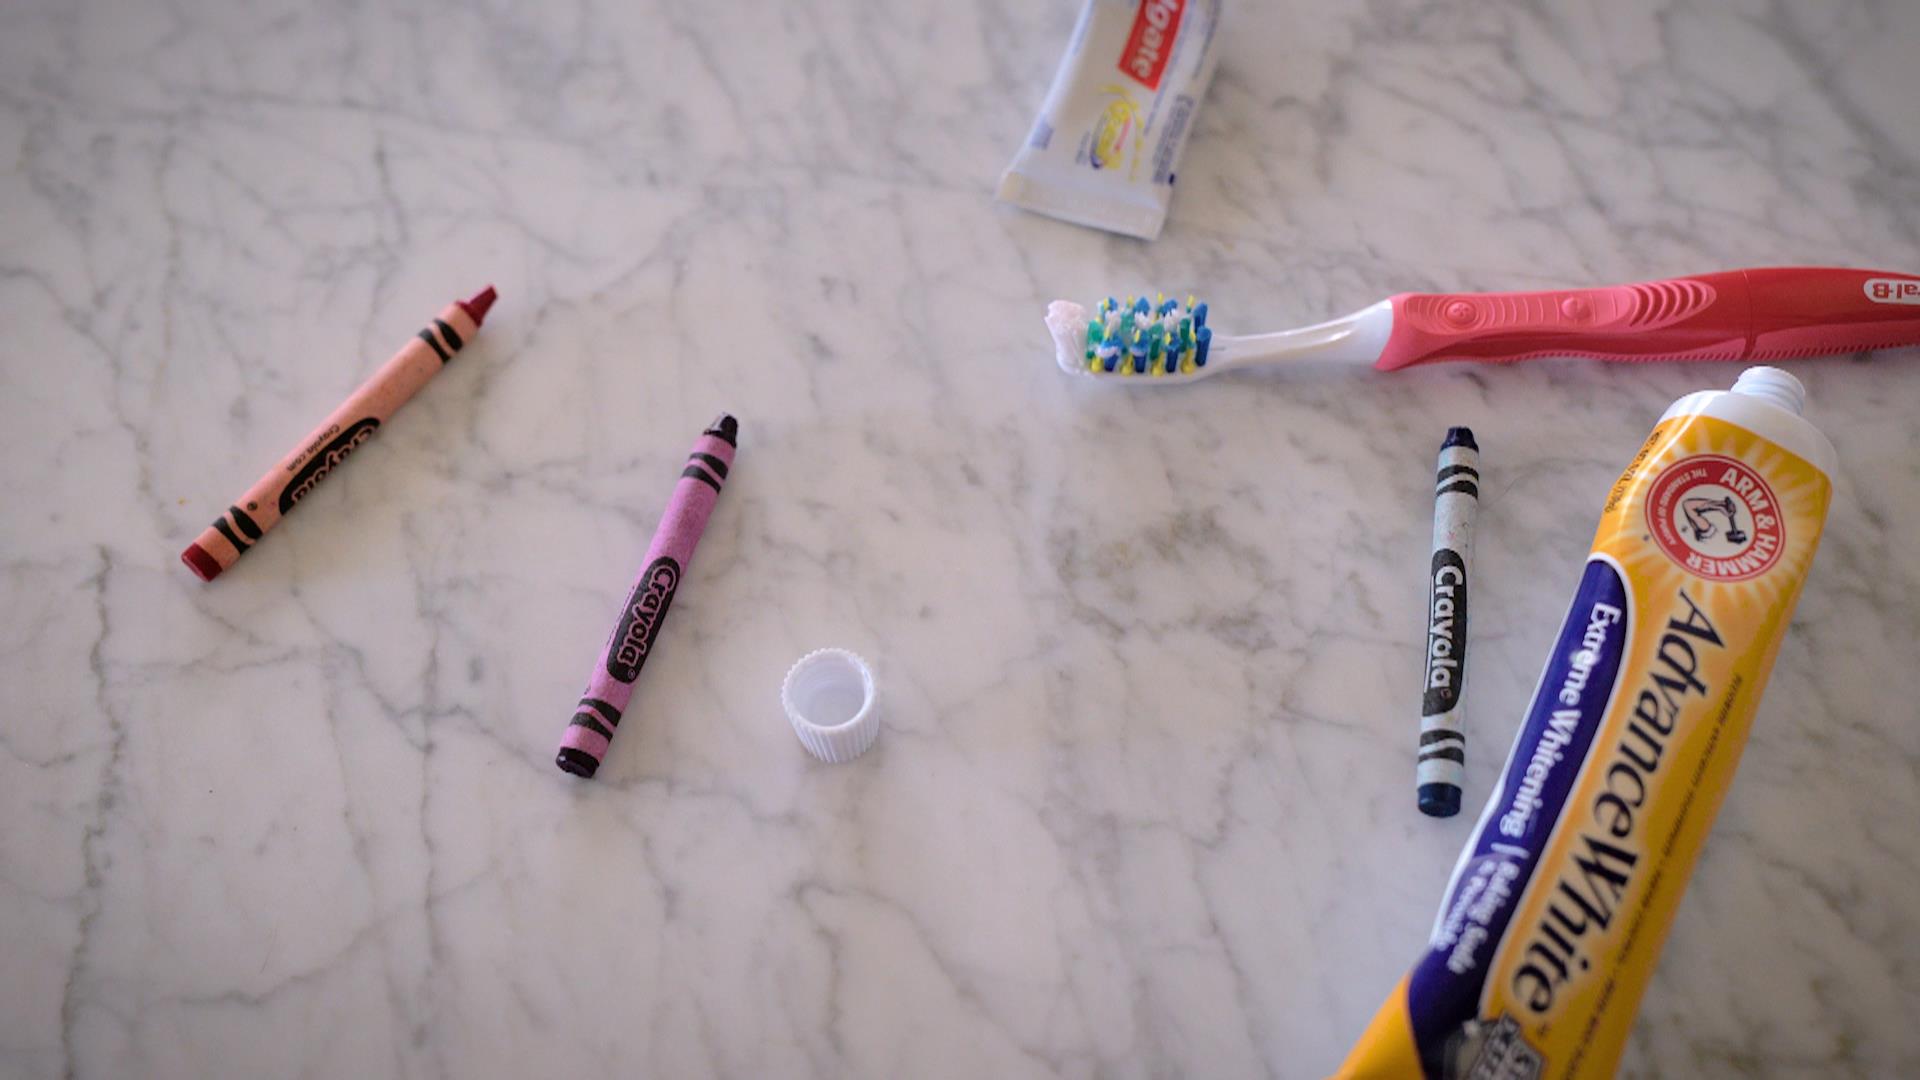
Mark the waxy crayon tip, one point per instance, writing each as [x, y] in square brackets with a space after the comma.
[201, 563]
[1460, 436]
[578, 762]
[477, 307]
[1439, 800]
[725, 427]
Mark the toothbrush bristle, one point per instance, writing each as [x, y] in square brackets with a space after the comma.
[1142, 336]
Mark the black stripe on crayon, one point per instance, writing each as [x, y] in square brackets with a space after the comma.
[1451, 753]
[427, 336]
[1465, 486]
[453, 339]
[700, 474]
[1456, 470]
[221, 524]
[586, 720]
[606, 709]
[247, 524]
[1440, 736]
[719, 467]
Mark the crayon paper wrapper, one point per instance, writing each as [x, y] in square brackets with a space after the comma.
[1559, 905]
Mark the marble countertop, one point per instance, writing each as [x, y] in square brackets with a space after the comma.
[1149, 660]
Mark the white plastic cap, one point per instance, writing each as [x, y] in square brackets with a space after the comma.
[828, 695]
[1773, 386]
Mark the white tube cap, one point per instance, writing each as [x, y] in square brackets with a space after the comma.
[828, 695]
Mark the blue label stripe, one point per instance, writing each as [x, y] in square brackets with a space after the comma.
[1445, 986]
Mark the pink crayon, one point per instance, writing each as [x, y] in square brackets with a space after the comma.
[354, 422]
[610, 687]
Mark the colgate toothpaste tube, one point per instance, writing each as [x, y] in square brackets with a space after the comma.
[1107, 145]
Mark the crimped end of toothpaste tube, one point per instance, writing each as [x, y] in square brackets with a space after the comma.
[1140, 217]
[1067, 322]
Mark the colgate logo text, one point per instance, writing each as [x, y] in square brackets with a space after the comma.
[1151, 42]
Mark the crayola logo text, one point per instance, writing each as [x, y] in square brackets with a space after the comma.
[640, 622]
[1446, 632]
[322, 463]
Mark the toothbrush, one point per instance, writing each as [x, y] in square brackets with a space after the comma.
[1769, 314]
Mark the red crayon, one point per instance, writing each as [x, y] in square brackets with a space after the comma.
[353, 423]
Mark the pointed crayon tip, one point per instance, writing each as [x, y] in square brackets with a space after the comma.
[477, 307]
[201, 563]
[725, 427]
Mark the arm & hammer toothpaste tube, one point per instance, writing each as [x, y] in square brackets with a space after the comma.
[1558, 907]
[1106, 147]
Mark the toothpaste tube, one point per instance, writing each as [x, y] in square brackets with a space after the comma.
[1557, 909]
[1106, 146]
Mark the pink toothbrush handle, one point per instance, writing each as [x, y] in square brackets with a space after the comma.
[1735, 315]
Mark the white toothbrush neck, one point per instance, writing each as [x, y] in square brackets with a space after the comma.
[1358, 338]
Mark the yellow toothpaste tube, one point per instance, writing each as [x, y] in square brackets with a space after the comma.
[1561, 900]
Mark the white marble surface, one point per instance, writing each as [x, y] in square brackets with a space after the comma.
[1149, 660]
